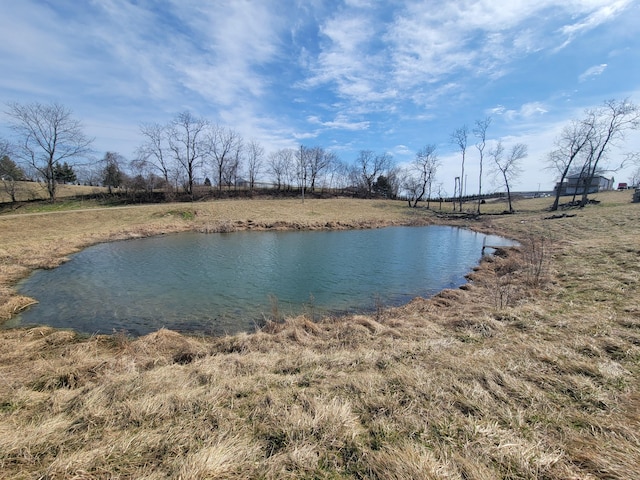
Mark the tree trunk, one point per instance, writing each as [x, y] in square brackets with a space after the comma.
[556, 201]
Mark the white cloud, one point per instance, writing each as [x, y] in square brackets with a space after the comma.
[593, 72]
[402, 150]
[601, 11]
[346, 60]
[305, 135]
[532, 109]
[231, 41]
[423, 48]
[525, 112]
[340, 122]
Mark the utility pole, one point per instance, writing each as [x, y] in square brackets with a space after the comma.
[303, 171]
[456, 188]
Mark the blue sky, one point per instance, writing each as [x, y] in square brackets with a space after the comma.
[344, 75]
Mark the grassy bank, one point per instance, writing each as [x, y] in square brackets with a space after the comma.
[532, 370]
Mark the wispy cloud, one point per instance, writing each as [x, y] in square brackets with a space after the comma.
[341, 122]
[594, 71]
[233, 40]
[425, 46]
[602, 11]
[526, 111]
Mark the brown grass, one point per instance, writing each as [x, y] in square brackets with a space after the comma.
[543, 384]
[27, 191]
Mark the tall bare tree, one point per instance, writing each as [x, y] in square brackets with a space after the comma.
[302, 159]
[508, 167]
[318, 162]
[331, 169]
[225, 145]
[279, 167]
[47, 136]
[231, 171]
[569, 145]
[608, 125]
[339, 178]
[155, 152]
[188, 145]
[480, 132]
[255, 158]
[422, 174]
[459, 138]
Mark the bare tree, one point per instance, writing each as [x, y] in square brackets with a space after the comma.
[332, 170]
[480, 132]
[608, 125]
[584, 144]
[280, 163]
[155, 151]
[255, 158]
[441, 193]
[302, 158]
[340, 171]
[48, 135]
[318, 162]
[459, 138]
[187, 143]
[423, 171]
[225, 144]
[370, 166]
[569, 145]
[410, 185]
[508, 167]
[231, 170]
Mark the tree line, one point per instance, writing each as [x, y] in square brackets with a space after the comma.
[582, 149]
[189, 152]
[177, 157]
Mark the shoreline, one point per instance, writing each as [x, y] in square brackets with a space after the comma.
[195, 217]
[259, 317]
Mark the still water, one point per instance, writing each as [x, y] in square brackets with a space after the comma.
[225, 283]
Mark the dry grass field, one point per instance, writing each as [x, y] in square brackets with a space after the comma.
[531, 370]
[27, 191]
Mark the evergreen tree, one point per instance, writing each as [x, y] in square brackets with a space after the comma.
[10, 170]
[382, 187]
[64, 173]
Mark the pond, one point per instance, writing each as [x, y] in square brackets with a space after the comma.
[231, 282]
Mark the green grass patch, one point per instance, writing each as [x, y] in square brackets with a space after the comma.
[183, 214]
